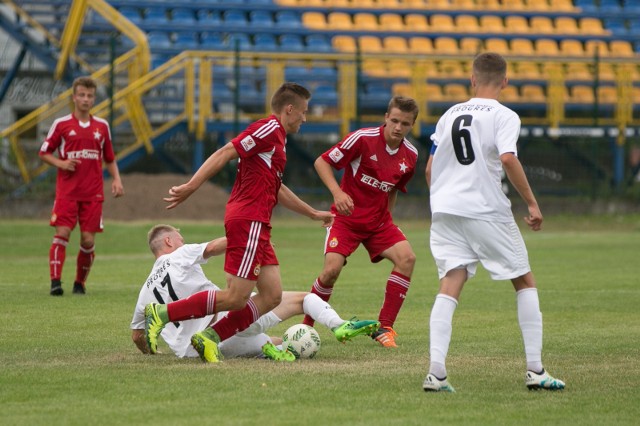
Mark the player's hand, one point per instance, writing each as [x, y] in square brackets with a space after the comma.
[70, 164]
[117, 190]
[344, 203]
[177, 194]
[534, 220]
[324, 216]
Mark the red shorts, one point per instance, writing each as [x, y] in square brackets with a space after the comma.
[68, 213]
[343, 240]
[248, 248]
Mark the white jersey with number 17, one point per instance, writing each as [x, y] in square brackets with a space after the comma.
[175, 276]
[466, 168]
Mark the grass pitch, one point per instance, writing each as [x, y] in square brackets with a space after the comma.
[70, 359]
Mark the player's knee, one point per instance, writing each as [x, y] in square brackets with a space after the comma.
[237, 301]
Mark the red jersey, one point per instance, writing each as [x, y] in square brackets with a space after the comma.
[261, 147]
[372, 170]
[88, 142]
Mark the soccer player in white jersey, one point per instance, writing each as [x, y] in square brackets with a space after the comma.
[177, 274]
[472, 220]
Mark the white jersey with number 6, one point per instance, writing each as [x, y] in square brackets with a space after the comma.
[466, 168]
[175, 276]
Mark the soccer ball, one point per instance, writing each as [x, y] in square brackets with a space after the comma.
[301, 340]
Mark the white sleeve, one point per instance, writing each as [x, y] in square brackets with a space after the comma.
[144, 298]
[507, 132]
[190, 254]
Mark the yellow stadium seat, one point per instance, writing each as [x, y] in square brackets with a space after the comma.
[370, 44]
[466, 24]
[591, 26]
[399, 68]
[463, 4]
[391, 22]
[455, 92]
[488, 4]
[607, 95]
[339, 21]
[287, 2]
[582, 94]
[416, 22]
[509, 94]
[395, 44]
[491, 24]
[365, 22]
[566, 25]
[470, 46]
[527, 71]
[561, 5]
[433, 92]
[375, 67]
[621, 48]
[313, 3]
[514, 4]
[578, 71]
[497, 45]
[606, 71]
[314, 20]
[569, 47]
[452, 68]
[445, 46]
[437, 4]
[389, 4]
[415, 4]
[331, 3]
[344, 43]
[516, 24]
[359, 4]
[403, 89]
[537, 5]
[522, 47]
[442, 23]
[546, 47]
[533, 93]
[420, 45]
[636, 95]
[541, 25]
[591, 46]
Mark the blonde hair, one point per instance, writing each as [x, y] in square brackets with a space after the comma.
[156, 234]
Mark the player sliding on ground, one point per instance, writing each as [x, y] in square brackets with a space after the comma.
[472, 220]
[177, 274]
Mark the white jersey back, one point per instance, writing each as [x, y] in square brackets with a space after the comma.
[175, 276]
[466, 168]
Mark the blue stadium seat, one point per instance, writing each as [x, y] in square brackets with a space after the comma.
[288, 19]
[610, 6]
[155, 15]
[183, 15]
[235, 17]
[291, 43]
[221, 92]
[588, 6]
[241, 38]
[265, 42]
[325, 95]
[133, 14]
[213, 41]
[261, 18]
[208, 17]
[318, 43]
[187, 40]
[617, 26]
[298, 74]
[158, 40]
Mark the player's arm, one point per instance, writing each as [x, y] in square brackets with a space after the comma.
[137, 335]
[342, 200]
[117, 190]
[215, 247]
[427, 170]
[393, 197]
[210, 168]
[518, 179]
[288, 199]
[68, 165]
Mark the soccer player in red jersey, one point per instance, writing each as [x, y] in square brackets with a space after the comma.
[83, 142]
[377, 162]
[250, 260]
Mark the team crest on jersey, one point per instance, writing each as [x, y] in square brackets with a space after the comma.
[97, 135]
[333, 243]
[256, 271]
[54, 217]
[248, 143]
[336, 155]
[403, 167]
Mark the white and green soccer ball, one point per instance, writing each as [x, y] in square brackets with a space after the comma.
[303, 341]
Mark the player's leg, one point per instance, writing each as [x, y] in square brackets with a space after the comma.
[90, 218]
[530, 321]
[57, 256]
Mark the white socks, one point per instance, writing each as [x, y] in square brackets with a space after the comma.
[264, 323]
[321, 311]
[440, 333]
[530, 320]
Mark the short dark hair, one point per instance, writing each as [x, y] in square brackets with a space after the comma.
[489, 68]
[404, 104]
[87, 82]
[288, 94]
[155, 235]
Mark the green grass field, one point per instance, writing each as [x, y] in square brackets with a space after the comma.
[70, 360]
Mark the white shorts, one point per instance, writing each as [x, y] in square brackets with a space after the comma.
[239, 346]
[460, 242]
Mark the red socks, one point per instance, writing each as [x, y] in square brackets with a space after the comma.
[57, 254]
[84, 262]
[197, 305]
[394, 295]
[323, 293]
[236, 321]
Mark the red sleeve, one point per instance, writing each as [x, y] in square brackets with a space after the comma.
[344, 152]
[53, 139]
[107, 150]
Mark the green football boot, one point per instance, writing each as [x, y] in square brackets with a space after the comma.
[153, 325]
[353, 328]
[272, 352]
[206, 348]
